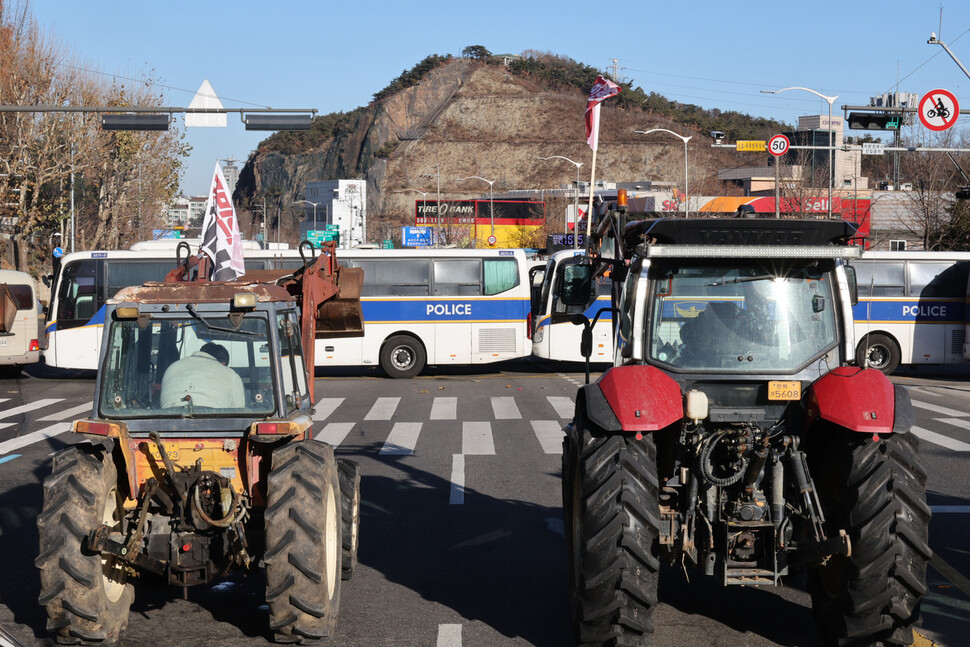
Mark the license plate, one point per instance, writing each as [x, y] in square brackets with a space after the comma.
[788, 390]
[171, 450]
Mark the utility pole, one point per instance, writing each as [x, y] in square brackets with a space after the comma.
[616, 73]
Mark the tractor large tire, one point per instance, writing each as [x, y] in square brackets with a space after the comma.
[87, 596]
[613, 516]
[876, 491]
[303, 542]
[349, 473]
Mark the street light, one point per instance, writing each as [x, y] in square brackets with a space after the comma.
[685, 140]
[491, 205]
[575, 197]
[315, 205]
[437, 176]
[828, 130]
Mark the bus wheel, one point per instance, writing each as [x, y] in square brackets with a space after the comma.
[878, 352]
[402, 357]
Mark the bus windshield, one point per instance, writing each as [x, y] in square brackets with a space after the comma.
[756, 317]
[187, 367]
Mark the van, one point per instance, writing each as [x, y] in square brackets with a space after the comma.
[19, 329]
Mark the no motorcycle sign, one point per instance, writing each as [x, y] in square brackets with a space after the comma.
[938, 109]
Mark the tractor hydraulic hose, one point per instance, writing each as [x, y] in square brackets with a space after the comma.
[707, 467]
[236, 511]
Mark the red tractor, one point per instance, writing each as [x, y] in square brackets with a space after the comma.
[734, 433]
[199, 456]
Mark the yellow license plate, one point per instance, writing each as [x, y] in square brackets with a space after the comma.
[171, 450]
[787, 390]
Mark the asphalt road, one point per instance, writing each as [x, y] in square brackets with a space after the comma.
[461, 538]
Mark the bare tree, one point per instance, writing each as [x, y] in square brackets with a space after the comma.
[931, 200]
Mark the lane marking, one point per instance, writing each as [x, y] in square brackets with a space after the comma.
[326, 406]
[938, 409]
[449, 636]
[334, 433]
[30, 406]
[572, 381]
[956, 422]
[8, 446]
[564, 406]
[476, 439]
[383, 409]
[8, 458]
[549, 433]
[69, 413]
[402, 439]
[940, 439]
[457, 495]
[444, 409]
[504, 408]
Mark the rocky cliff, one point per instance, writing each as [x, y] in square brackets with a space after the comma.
[469, 118]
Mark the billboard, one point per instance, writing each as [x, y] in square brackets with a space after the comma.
[471, 212]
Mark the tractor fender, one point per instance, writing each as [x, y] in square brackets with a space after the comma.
[859, 399]
[633, 398]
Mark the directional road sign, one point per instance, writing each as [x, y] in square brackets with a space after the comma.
[778, 145]
[938, 109]
[750, 145]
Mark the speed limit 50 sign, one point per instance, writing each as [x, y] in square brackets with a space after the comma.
[778, 145]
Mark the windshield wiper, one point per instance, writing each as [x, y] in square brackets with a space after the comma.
[745, 279]
[211, 326]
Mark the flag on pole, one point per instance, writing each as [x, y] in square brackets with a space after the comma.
[603, 89]
[220, 232]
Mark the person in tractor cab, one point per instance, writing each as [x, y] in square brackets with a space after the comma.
[203, 379]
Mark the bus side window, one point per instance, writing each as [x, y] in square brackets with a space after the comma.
[880, 278]
[937, 280]
[457, 277]
[501, 274]
[77, 293]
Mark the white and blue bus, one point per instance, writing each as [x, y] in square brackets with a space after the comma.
[912, 309]
[421, 307]
[554, 336]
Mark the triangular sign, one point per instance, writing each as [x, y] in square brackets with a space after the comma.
[206, 98]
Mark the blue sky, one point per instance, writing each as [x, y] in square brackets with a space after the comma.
[333, 56]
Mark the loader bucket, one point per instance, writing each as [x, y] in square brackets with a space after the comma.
[8, 309]
[342, 316]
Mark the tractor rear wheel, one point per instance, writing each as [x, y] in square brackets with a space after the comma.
[876, 491]
[613, 517]
[303, 542]
[349, 473]
[87, 595]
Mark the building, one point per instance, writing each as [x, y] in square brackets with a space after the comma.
[183, 211]
[336, 206]
[231, 172]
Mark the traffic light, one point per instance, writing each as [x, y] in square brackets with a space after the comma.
[963, 193]
[874, 121]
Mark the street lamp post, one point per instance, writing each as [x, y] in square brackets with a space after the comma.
[315, 205]
[575, 198]
[424, 194]
[437, 176]
[828, 130]
[491, 205]
[685, 140]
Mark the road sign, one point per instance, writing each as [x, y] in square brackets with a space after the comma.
[318, 236]
[417, 236]
[938, 109]
[875, 148]
[778, 145]
[58, 252]
[492, 240]
[750, 145]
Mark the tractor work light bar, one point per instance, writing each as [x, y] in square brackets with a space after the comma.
[137, 121]
[277, 122]
[753, 251]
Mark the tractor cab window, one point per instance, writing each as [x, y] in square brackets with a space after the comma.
[771, 316]
[292, 368]
[185, 367]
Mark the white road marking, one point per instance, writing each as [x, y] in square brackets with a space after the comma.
[504, 408]
[69, 413]
[30, 406]
[33, 437]
[326, 406]
[549, 433]
[457, 496]
[449, 636]
[402, 439]
[938, 409]
[444, 409]
[383, 409]
[956, 422]
[941, 440]
[564, 406]
[476, 439]
[334, 433]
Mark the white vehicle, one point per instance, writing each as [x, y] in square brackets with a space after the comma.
[554, 335]
[430, 306]
[912, 308]
[19, 327]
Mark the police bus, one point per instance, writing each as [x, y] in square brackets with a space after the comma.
[912, 309]
[421, 307]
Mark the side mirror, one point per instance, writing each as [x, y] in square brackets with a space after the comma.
[853, 284]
